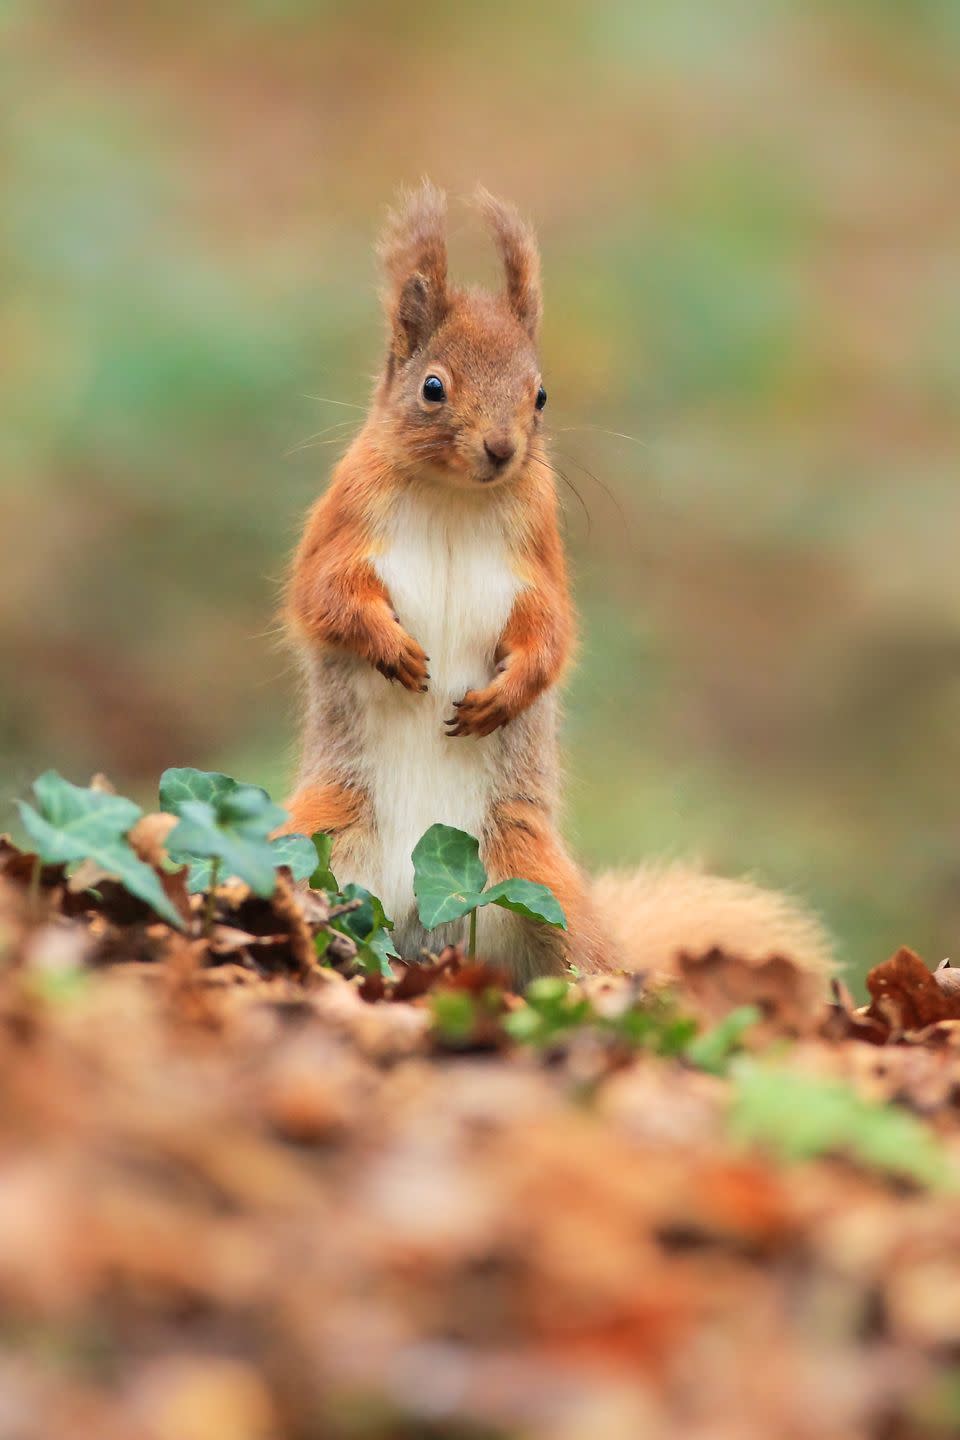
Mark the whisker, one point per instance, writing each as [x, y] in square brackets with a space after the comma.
[321, 444]
[329, 400]
[610, 494]
[555, 470]
[310, 440]
[602, 430]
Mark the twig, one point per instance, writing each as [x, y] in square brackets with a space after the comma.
[299, 934]
[345, 908]
[210, 905]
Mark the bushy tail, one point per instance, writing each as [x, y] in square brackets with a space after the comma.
[654, 914]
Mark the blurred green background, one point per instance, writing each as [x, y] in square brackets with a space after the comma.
[750, 217]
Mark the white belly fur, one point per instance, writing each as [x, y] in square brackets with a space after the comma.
[448, 572]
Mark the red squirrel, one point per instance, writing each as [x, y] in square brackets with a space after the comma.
[430, 605]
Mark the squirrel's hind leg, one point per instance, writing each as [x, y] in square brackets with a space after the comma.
[329, 807]
[521, 842]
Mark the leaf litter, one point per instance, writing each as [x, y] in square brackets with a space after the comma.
[253, 1190]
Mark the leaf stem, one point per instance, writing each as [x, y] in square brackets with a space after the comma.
[35, 885]
[472, 943]
[209, 908]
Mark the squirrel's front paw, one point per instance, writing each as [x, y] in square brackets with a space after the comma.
[480, 712]
[404, 660]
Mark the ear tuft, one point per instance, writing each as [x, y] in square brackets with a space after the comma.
[521, 258]
[413, 252]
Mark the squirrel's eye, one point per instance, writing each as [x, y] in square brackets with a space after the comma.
[433, 388]
[541, 398]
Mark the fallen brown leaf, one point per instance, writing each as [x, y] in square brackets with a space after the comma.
[906, 996]
[789, 999]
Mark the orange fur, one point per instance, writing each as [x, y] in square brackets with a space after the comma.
[523, 842]
[413, 252]
[521, 258]
[329, 808]
[656, 913]
[427, 487]
[335, 596]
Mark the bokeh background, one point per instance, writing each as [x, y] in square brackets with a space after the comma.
[750, 217]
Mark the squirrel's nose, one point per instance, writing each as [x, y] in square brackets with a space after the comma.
[499, 447]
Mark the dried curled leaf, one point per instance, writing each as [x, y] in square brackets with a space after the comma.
[788, 997]
[906, 996]
[149, 836]
[947, 977]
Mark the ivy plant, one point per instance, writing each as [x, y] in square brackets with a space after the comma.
[225, 829]
[368, 925]
[450, 882]
[69, 823]
[369, 928]
[554, 1009]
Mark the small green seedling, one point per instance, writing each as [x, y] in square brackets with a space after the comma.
[713, 1050]
[454, 1016]
[556, 1008]
[69, 823]
[450, 883]
[553, 1008]
[799, 1117]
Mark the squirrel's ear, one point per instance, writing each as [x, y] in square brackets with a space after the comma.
[413, 252]
[521, 258]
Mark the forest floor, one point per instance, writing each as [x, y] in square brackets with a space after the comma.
[246, 1195]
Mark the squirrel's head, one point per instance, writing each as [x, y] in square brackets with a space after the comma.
[461, 389]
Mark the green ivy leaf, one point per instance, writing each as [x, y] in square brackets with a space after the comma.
[72, 822]
[449, 879]
[236, 834]
[228, 798]
[225, 821]
[448, 875]
[199, 873]
[179, 784]
[322, 877]
[79, 814]
[370, 916]
[297, 856]
[369, 927]
[297, 853]
[525, 897]
[376, 952]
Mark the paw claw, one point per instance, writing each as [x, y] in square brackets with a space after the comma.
[405, 661]
[479, 713]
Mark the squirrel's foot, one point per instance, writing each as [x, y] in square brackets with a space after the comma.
[480, 712]
[404, 660]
